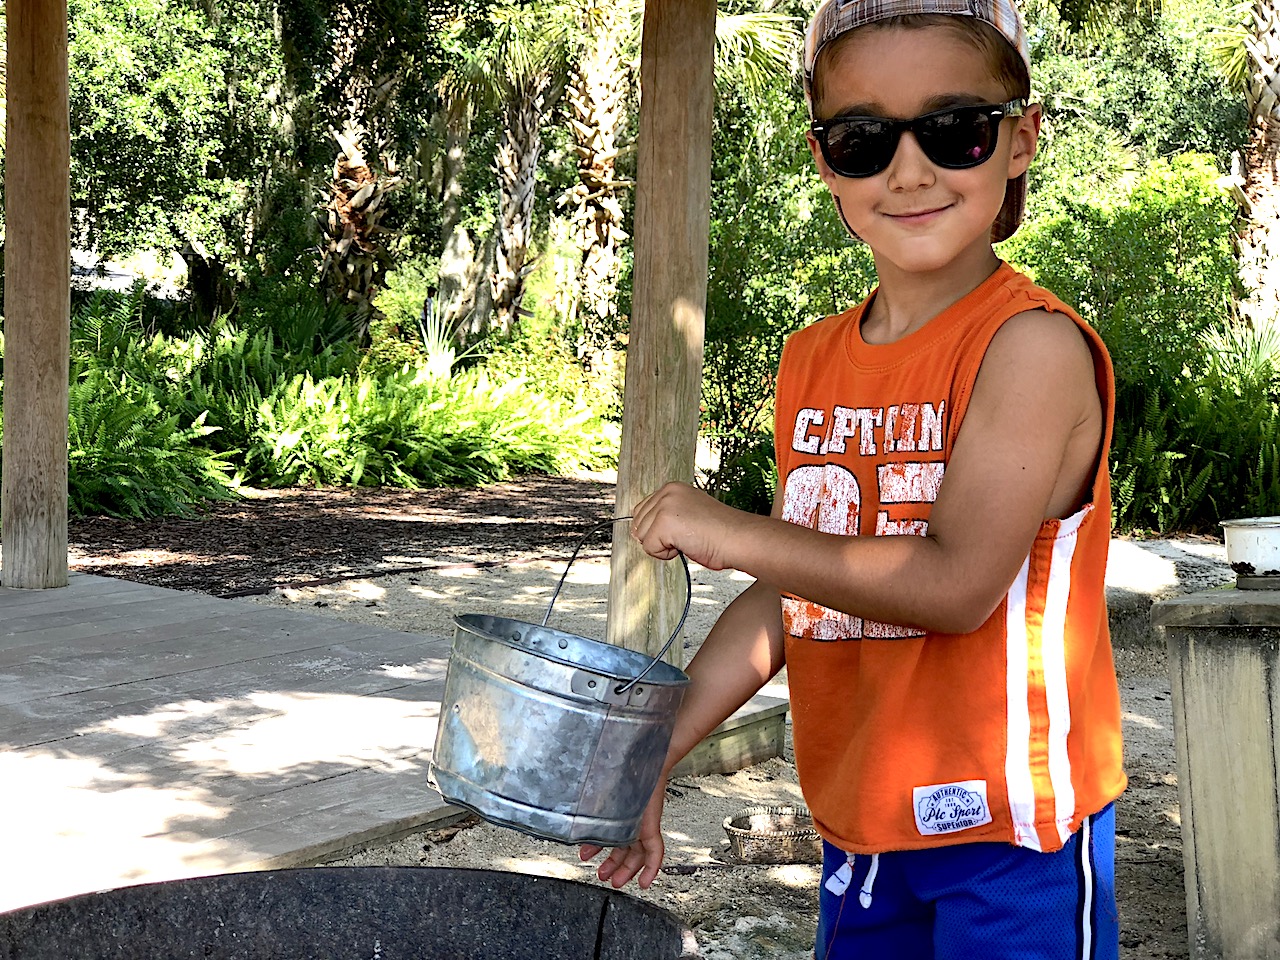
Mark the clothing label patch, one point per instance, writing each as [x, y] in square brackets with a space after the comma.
[949, 807]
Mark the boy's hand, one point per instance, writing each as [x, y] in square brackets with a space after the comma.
[643, 857]
[682, 519]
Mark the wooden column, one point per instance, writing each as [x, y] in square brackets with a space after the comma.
[33, 497]
[664, 353]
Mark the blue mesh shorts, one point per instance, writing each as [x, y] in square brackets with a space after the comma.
[988, 900]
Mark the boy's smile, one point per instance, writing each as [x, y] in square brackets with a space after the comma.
[916, 216]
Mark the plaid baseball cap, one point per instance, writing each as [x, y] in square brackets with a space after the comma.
[837, 17]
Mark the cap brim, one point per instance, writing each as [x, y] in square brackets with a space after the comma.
[1010, 215]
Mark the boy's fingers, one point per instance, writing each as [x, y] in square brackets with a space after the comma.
[588, 851]
[630, 866]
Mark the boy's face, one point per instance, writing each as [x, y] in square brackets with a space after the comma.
[914, 214]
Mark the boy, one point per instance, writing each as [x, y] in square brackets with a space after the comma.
[932, 574]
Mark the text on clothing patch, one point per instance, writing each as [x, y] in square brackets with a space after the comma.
[948, 807]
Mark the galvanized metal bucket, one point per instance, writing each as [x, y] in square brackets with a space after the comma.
[552, 734]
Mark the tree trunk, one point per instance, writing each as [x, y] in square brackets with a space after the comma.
[355, 259]
[517, 164]
[478, 318]
[597, 99]
[1260, 242]
[457, 273]
[211, 294]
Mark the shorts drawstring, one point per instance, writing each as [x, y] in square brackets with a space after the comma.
[838, 883]
[864, 895]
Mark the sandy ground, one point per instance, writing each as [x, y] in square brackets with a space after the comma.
[755, 911]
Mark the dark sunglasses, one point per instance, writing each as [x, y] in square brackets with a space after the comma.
[956, 138]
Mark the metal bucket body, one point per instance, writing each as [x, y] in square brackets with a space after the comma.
[537, 731]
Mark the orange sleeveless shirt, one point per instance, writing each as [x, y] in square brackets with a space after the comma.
[906, 739]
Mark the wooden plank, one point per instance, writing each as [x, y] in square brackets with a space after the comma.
[37, 295]
[88, 637]
[352, 668]
[107, 616]
[664, 353]
[79, 587]
[239, 644]
[177, 739]
[274, 755]
[309, 824]
[1231, 786]
[755, 733]
[1177, 643]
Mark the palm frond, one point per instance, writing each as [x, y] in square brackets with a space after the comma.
[1229, 47]
[754, 47]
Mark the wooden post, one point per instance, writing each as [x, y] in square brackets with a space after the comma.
[664, 353]
[33, 497]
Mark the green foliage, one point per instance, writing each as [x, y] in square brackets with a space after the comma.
[128, 458]
[161, 423]
[402, 336]
[415, 429]
[540, 351]
[1141, 90]
[750, 480]
[1152, 268]
[146, 123]
[1196, 393]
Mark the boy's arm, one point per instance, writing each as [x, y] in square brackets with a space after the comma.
[1027, 451]
[742, 651]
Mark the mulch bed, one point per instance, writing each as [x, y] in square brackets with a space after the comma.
[278, 537]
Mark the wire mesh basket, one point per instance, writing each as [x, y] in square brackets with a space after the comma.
[781, 834]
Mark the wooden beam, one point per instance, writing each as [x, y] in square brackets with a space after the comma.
[664, 352]
[33, 496]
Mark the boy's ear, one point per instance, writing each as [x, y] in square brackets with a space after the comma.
[1026, 138]
[824, 171]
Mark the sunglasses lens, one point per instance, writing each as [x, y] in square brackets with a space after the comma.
[860, 147]
[958, 138]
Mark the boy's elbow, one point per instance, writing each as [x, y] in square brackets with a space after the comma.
[964, 614]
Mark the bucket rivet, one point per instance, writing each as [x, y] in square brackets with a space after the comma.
[516, 636]
[564, 644]
[591, 684]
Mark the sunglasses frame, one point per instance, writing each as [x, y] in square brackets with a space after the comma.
[995, 111]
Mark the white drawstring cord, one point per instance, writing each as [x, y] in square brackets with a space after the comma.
[839, 881]
[864, 895]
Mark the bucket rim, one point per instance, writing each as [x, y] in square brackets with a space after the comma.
[680, 678]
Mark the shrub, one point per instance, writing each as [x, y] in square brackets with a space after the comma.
[415, 429]
[1153, 270]
[128, 458]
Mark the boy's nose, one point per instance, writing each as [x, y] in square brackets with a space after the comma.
[910, 168]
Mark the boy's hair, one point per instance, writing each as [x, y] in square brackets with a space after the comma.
[993, 27]
[1005, 63]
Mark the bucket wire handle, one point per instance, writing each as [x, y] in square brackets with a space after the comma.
[688, 600]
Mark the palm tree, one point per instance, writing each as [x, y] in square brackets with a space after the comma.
[749, 47]
[1251, 59]
[513, 58]
[531, 43]
[354, 258]
[598, 98]
[464, 89]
